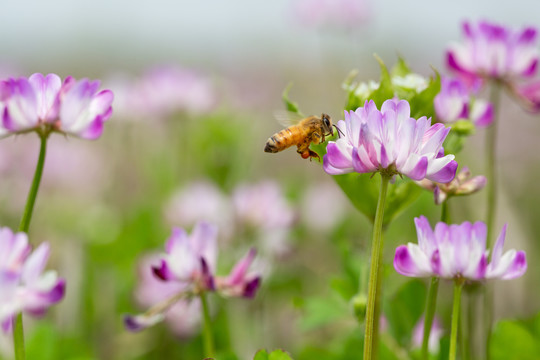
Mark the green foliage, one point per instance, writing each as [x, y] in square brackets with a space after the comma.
[421, 101]
[274, 355]
[320, 311]
[516, 339]
[290, 105]
[363, 192]
[385, 90]
[401, 68]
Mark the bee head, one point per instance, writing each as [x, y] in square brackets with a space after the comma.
[327, 124]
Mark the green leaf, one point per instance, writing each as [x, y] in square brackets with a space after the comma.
[404, 308]
[422, 103]
[401, 68]
[453, 143]
[279, 355]
[320, 311]
[363, 192]
[42, 343]
[511, 340]
[290, 105]
[386, 89]
[261, 355]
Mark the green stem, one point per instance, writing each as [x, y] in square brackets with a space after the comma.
[18, 331]
[445, 212]
[373, 294]
[431, 302]
[491, 161]
[18, 337]
[455, 319]
[430, 314]
[31, 199]
[491, 173]
[208, 337]
[462, 337]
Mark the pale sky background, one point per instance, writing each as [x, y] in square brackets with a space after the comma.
[215, 34]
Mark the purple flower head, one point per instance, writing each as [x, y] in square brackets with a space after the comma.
[435, 335]
[24, 285]
[239, 283]
[190, 259]
[162, 91]
[44, 103]
[182, 315]
[457, 251]
[463, 184]
[170, 283]
[390, 141]
[494, 51]
[454, 102]
[529, 95]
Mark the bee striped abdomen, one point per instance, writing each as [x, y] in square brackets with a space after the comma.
[282, 140]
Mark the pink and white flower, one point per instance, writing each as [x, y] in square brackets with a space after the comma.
[24, 285]
[457, 251]
[390, 141]
[455, 102]
[45, 103]
[163, 91]
[187, 270]
[183, 316]
[435, 335]
[493, 51]
[463, 184]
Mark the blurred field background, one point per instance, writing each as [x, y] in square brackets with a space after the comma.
[104, 205]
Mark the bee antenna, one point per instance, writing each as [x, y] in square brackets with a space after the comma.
[339, 131]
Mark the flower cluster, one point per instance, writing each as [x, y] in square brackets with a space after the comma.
[162, 91]
[457, 252]
[492, 51]
[256, 208]
[454, 102]
[463, 184]
[189, 266]
[24, 285]
[390, 141]
[45, 103]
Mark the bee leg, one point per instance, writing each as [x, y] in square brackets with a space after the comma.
[313, 154]
[316, 138]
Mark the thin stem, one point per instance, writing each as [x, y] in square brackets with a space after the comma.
[32, 193]
[445, 212]
[491, 173]
[471, 321]
[431, 304]
[208, 337]
[455, 319]
[18, 330]
[491, 161]
[462, 336]
[373, 294]
[18, 337]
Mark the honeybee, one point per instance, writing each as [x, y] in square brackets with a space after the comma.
[312, 129]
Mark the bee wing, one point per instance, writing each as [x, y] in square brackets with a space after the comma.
[288, 118]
